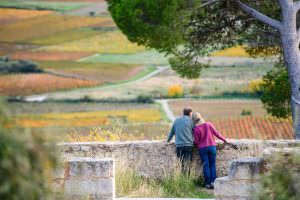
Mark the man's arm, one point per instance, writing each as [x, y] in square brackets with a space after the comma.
[172, 133]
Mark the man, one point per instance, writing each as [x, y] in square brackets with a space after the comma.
[183, 130]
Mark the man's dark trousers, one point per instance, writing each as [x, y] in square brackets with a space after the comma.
[185, 155]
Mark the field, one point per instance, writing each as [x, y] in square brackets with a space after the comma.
[145, 58]
[107, 42]
[42, 5]
[102, 72]
[250, 127]
[45, 25]
[67, 36]
[82, 119]
[216, 81]
[48, 56]
[78, 121]
[219, 109]
[12, 15]
[28, 84]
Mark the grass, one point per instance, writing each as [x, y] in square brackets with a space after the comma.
[28, 84]
[8, 15]
[145, 58]
[42, 5]
[175, 185]
[67, 36]
[45, 25]
[108, 73]
[113, 42]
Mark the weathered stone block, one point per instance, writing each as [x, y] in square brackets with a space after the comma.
[89, 178]
[89, 187]
[226, 188]
[90, 168]
[246, 168]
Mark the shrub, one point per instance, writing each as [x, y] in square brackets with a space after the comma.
[175, 91]
[19, 66]
[283, 181]
[254, 87]
[246, 112]
[145, 99]
[25, 163]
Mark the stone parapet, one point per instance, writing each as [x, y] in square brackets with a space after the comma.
[155, 158]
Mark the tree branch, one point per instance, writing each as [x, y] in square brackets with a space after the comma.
[260, 16]
[208, 3]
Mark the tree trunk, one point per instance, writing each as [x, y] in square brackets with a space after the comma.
[291, 52]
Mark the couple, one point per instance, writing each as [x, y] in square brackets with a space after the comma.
[191, 129]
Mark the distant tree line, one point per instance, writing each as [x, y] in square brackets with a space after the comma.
[8, 66]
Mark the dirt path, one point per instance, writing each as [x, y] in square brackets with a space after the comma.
[165, 105]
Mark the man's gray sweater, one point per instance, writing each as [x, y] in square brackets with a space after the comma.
[183, 130]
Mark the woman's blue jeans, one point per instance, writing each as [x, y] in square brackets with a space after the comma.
[208, 157]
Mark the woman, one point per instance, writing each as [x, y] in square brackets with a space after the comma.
[204, 133]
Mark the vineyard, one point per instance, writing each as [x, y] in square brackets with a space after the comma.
[106, 42]
[61, 6]
[268, 128]
[218, 109]
[66, 36]
[87, 119]
[8, 15]
[45, 25]
[48, 56]
[28, 84]
[95, 71]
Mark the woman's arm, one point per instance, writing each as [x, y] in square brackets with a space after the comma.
[216, 133]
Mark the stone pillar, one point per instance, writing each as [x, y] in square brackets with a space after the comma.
[242, 180]
[89, 178]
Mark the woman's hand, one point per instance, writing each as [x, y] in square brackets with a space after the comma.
[234, 146]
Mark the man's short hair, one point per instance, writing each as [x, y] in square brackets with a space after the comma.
[187, 111]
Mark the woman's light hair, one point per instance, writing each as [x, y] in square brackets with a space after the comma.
[197, 118]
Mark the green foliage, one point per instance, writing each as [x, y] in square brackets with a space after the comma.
[276, 92]
[145, 99]
[187, 30]
[25, 163]
[246, 112]
[283, 181]
[152, 23]
[19, 66]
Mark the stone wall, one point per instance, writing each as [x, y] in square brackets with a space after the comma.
[155, 158]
